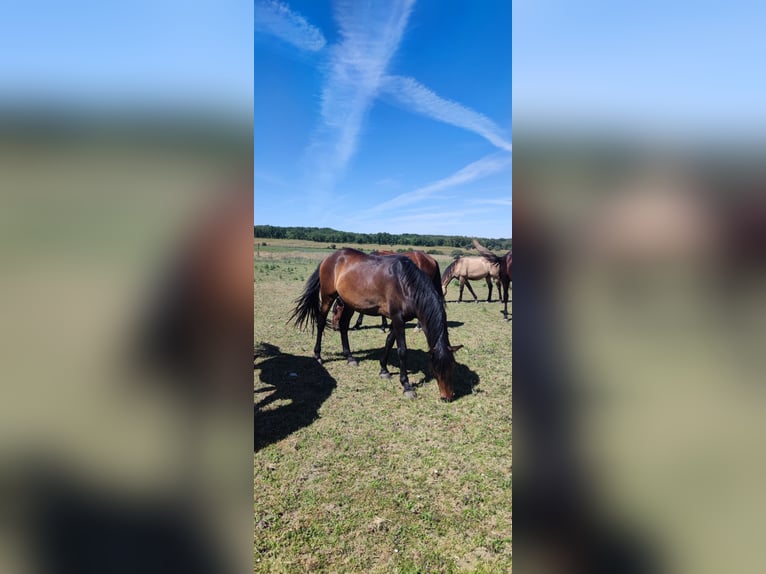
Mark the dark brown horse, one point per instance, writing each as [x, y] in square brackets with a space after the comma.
[504, 263]
[505, 278]
[391, 286]
[425, 263]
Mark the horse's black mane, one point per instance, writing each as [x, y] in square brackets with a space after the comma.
[448, 270]
[433, 317]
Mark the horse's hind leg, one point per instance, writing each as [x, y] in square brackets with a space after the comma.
[358, 324]
[384, 359]
[383, 325]
[489, 287]
[345, 319]
[397, 326]
[321, 323]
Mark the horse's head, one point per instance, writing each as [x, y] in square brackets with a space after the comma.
[443, 363]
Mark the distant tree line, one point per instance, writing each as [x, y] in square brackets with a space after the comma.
[327, 235]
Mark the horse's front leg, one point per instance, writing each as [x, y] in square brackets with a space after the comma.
[397, 326]
[505, 300]
[468, 284]
[384, 359]
[358, 324]
[345, 319]
[383, 325]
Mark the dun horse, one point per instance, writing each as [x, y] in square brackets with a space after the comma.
[379, 285]
[425, 263]
[466, 268]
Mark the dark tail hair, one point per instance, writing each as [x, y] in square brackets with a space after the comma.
[307, 307]
[436, 280]
[486, 253]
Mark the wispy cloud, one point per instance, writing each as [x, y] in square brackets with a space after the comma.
[370, 35]
[504, 201]
[274, 17]
[480, 222]
[484, 167]
[415, 97]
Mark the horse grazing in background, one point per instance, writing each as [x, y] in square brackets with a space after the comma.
[466, 268]
[425, 263]
[391, 286]
[504, 262]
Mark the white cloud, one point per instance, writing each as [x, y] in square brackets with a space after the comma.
[505, 201]
[370, 35]
[484, 167]
[478, 222]
[274, 17]
[415, 97]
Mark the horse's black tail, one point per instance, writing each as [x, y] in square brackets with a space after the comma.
[436, 280]
[307, 306]
[486, 253]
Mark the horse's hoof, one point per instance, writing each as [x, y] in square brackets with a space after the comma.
[318, 360]
[446, 399]
[385, 375]
[410, 395]
[353, 362]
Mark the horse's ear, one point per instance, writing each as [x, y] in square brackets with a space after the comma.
[454, 348]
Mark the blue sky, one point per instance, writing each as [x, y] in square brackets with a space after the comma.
[384, 116]
[143, 53]
[682, 69]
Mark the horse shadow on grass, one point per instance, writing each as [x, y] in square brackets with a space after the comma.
[411, 325]
[464, 380]
[294, 389]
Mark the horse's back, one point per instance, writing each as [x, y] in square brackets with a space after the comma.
[476, 267]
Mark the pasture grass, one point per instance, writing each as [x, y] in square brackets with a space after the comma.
[349, 476]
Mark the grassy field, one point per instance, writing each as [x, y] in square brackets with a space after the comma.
[349, 476]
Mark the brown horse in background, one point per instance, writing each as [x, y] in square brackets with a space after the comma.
[466, 268]
[505, 278]
[391, 286]
[505, 270]
[425, 263]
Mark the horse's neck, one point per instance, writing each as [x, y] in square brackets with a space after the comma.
[434, 329]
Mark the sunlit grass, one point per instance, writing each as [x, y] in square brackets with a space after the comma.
[373, 482]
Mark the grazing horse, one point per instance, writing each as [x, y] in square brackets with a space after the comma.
[466, 268]
[379, 285]
[425, 263]
[505, 270]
